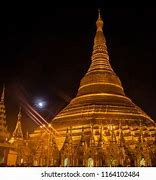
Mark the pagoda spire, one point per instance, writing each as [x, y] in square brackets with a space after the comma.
[18, 129]
[141, 134]
[100, 75]
[92, 140]
[83, 140]
[19, 114]
[99, 22]
[99, 14]
[3, 94]
[100, 57]
[3, 128]
[67, 140]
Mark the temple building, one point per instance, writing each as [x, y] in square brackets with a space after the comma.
[100, 127]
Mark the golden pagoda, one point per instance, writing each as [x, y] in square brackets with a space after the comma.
[4, 134]
[101, 126]
[18, 134]
[3, 128]
[19, 153]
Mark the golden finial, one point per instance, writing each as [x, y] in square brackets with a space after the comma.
[3, 93]
[99, 15]
[99, 22]
[19, 114]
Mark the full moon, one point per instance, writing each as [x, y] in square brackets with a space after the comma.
[40, 104]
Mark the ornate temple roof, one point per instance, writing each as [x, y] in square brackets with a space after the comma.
[3, 128]
[100, 98]
[18, 134]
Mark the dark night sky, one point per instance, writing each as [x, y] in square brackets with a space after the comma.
[46, 56]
